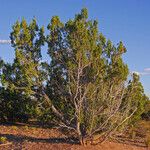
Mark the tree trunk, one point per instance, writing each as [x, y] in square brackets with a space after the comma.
[80, 133]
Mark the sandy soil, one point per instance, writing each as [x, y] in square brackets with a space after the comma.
[36, 138]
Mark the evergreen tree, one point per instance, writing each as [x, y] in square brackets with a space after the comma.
[24, 77]
[87, 80]
[135, 95]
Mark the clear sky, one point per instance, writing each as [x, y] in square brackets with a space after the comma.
[125, 20]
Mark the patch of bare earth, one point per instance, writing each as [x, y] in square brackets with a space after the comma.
[36, 138]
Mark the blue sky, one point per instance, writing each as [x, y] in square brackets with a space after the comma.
[125, 20]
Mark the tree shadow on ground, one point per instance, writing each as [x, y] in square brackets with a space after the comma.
[21, 139]
[129, 141]
[70, 140]
[31, 124]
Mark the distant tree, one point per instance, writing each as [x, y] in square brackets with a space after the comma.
[24, 77]
[87, 79]
[1, 63]
[1, 66]
[1, 89]
[136, 97]
[146, 113]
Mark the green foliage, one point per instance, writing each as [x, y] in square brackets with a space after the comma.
[88, 77]
[146, 113]
[3, 140]
[84, 87]
[135, 95]
[23, 78]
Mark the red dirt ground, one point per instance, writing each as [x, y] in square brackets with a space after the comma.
[36, 138]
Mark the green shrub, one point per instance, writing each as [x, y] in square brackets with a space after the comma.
[3, 140]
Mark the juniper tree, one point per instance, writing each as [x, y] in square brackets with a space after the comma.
[24, 77]
[1, 66]
[87, 79]
[136, 97]
[146, 113]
